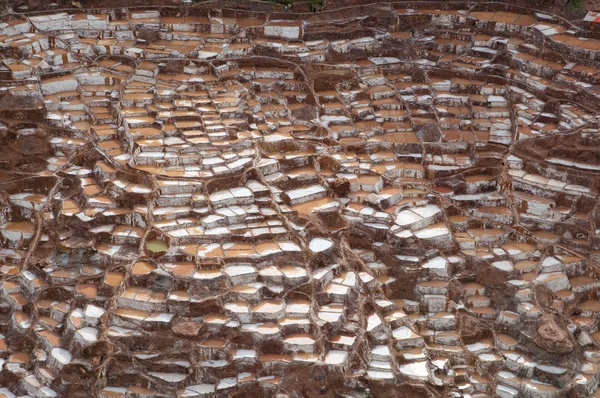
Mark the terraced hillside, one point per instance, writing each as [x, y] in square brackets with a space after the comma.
[386, 200]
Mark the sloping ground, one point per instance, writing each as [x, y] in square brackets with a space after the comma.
[386, 201]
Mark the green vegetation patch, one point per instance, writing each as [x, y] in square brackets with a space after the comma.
[575, 5]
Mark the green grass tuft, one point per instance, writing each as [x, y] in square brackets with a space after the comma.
[290, 2]
[575, 5]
